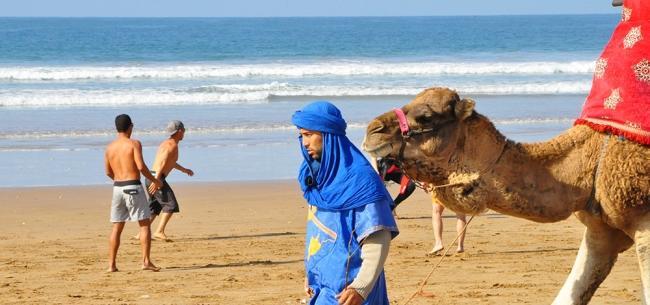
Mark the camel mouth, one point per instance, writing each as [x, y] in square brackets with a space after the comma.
[379, 151]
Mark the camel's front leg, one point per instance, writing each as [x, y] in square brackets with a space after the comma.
[598, 252]
[642, 240]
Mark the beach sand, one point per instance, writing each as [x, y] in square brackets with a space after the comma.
[242, 243]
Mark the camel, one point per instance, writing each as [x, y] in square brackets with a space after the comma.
[602, 179]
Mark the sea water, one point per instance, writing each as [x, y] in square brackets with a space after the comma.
[235, 82]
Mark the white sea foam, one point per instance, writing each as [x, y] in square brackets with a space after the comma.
[262, 93]
[245, 128]
[318, 69]
[77, 97]
[533, 121]
[556, 87]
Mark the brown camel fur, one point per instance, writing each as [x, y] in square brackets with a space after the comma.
[602, 179]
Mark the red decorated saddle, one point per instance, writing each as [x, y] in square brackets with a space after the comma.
[619, 101]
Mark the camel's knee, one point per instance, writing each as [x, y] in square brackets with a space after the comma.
[603, 238]
[609, 243]
[642, 240]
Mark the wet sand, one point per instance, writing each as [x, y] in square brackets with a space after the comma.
[242, 243]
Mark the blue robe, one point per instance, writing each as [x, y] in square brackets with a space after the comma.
[347, 203]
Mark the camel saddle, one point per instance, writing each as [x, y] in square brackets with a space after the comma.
[619, 101]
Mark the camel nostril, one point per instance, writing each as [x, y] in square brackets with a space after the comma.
[375, 127]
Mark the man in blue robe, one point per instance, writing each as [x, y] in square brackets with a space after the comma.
[350, 224]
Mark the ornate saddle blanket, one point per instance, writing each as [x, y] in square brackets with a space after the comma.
[619, 101]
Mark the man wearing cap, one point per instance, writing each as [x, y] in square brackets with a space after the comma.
[350, 224]
[166, 160]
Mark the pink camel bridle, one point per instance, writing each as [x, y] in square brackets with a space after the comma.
[407, 133]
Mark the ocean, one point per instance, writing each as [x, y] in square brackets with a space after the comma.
[235, 82]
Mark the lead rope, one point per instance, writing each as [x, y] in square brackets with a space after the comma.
[426, 279]
[407, 133]
[429, 188]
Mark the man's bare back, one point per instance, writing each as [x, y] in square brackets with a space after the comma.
[166, 157]
[124, 161]
[120, 157]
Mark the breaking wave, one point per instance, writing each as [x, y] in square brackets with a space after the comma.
[255, 94]
[279, 70]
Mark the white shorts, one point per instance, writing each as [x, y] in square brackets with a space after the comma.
[129, 202]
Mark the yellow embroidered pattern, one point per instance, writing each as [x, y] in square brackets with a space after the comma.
[601, 65]
[642, 70]
[632, 125]
[613, 99]
[311, 216]
[314, 246]
[632, 37]
[627, 13]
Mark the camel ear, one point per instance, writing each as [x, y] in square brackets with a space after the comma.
[464, 108]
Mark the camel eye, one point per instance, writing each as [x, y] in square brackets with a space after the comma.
[424, 116]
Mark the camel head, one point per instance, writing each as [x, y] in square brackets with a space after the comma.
[437, 118]
[437, 113]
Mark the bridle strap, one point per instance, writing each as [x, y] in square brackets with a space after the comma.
[403, 123]
[404, 127]
[407, 133]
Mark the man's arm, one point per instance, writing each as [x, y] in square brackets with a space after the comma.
[142, 167]
[374, 252]
[107, 167]
[187, 171]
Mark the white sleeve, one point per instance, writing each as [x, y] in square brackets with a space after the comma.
[374, 252]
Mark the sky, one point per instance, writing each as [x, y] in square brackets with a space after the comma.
[290, 8]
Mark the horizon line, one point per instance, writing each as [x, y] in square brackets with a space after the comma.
[339, 16]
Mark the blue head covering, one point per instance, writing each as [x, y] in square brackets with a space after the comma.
[343, 179]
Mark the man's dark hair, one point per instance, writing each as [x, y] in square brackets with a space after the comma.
[123, 122]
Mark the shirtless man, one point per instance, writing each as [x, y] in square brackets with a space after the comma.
[124, 163]
[166, 160]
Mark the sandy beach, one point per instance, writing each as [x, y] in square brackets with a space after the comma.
[242, 243]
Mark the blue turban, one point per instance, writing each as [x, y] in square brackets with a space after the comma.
[343, 179]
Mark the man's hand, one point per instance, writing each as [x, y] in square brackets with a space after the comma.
[308, 291]
[349, 296]
[189, 172]
[155, 185]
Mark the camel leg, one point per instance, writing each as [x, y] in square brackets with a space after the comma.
[642, 240]
[596, 257]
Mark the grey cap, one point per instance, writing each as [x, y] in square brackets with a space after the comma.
[174, 126]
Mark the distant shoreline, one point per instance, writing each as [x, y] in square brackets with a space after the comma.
[299, 17]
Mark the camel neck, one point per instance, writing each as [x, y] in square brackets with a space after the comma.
[533, 181]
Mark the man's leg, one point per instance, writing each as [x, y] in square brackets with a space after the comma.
[145, 244]
[155, 208]
[114, 245]
[460, 225]
[164, 219]
[436, 221]
[153, 216]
